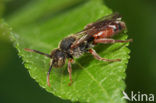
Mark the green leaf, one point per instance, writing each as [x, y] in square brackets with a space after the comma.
[5, 31]
[41, 25]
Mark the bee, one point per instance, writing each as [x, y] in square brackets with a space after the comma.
[75, 45]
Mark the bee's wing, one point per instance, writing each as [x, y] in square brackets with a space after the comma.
[104, 21]
[113, 16]
[100, 23]
[95, 27]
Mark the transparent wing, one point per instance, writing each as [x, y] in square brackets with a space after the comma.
[95, 27]
[113, 16]
[100, 23]
[104, 21]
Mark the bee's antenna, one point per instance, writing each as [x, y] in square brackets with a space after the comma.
[36, 51]
[48, 73]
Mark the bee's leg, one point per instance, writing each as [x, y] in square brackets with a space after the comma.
[48, 73]
[70, 70]
[109, 40]
[36, 51]
[96, 56]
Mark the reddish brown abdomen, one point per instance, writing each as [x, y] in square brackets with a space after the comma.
[104, 34]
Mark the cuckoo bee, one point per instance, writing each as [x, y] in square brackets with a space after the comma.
[82, 42]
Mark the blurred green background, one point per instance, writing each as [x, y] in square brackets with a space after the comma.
[140, 16]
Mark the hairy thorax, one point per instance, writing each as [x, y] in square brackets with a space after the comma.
[66, 43]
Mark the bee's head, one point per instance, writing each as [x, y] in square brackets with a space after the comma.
[58, 57]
